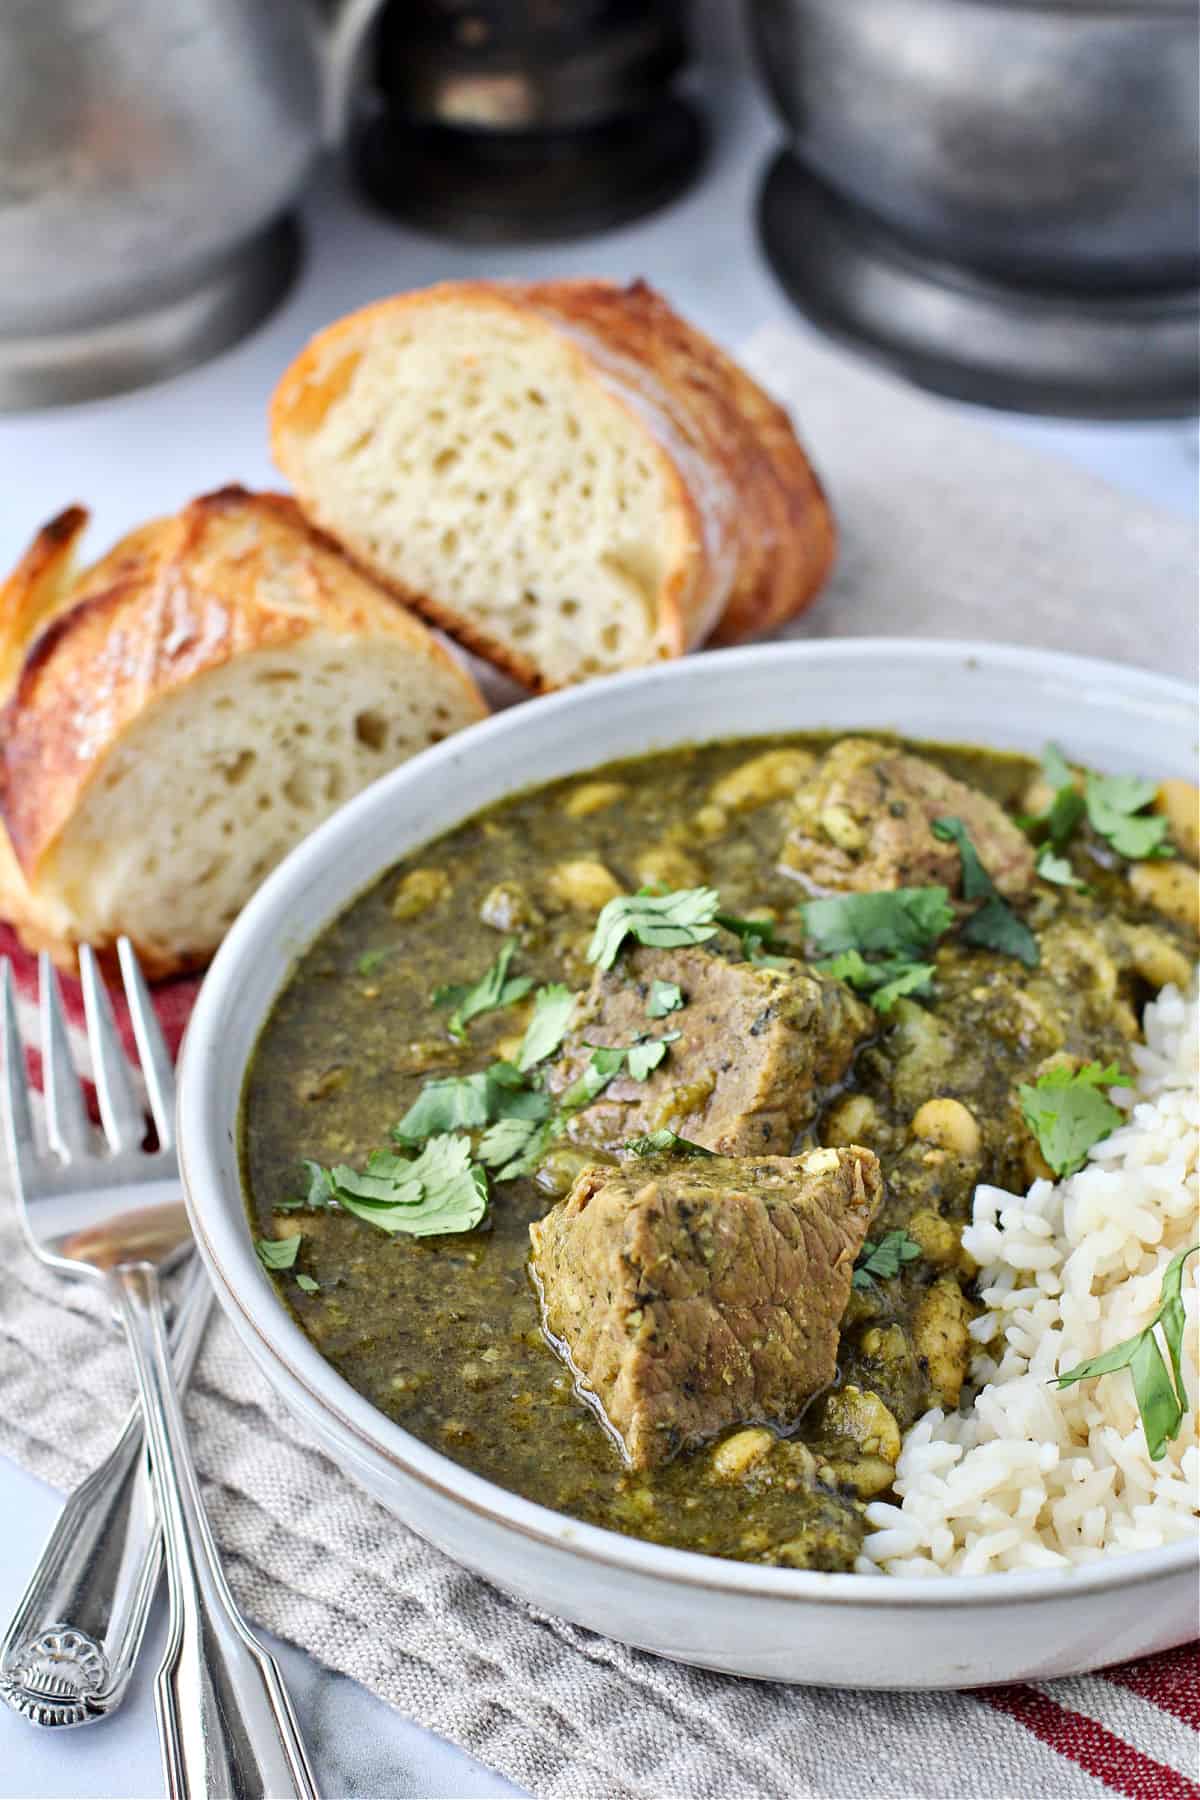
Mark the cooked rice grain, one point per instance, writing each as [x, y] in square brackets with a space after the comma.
[1030, 1477]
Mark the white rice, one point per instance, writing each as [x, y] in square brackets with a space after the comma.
[1031, 1477]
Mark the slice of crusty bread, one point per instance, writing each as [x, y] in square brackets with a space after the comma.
[198, 702]
[566, 475]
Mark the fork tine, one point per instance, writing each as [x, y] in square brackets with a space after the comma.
[152, 1051]
[67, 1129]
[120, 1112]
[18, 1117]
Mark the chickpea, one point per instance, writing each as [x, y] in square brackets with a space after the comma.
[673, 868]
[939, 1334]
[593, 797]
[937, 1237]
[1172, 888]
[320, 1083]
[741, 1452]
[419, 890]
[861, 1416]
[866, 1476]
[771, 776]
[584, 884]
[842, 828]
[853, 1120]
[948, 1124]
[1179, 802]
[709, 822]
[507, 907]
[1156, 959]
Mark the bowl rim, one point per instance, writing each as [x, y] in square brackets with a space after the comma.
[292, 1362]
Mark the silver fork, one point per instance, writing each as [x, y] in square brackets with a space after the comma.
[116, 1218]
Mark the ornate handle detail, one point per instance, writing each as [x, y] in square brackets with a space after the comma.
[70, 1649]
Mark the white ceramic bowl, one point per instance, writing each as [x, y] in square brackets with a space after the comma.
[789, 1625]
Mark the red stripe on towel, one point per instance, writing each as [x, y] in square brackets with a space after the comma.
[1170, 1681]
[1090, 1746]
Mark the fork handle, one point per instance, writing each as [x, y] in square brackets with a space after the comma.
[225, 1721]
[84, 1612]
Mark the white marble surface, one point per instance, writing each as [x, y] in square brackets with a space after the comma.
[130, 457]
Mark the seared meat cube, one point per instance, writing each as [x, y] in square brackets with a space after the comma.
[862, 822]
[756, 1046]
[689, 1294]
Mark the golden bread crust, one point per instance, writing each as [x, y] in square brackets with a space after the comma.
[233, 572]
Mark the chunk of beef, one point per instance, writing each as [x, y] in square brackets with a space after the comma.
[862, 822]
[756, 1045]
[689, 1294]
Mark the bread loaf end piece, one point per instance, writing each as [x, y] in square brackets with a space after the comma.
[171, 737]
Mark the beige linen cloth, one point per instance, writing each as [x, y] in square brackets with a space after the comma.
[950, 530]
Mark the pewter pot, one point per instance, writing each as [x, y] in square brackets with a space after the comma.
[1044, 141]
[148, 154]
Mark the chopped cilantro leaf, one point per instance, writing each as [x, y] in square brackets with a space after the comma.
[307, 1285]
[1066, 808]
[441, 1190]
[1055, 768]
[663, 921]
[884, 981]
[1057, 870]
[642, 1059]
[884, 1260]
[278, 1253]
[493, 990]
[1115, 806]
[639, 1059]
[665, 997]
[664, 1143]
[758, 937]
[513, 1147]
[597, 1073]
[1067, 1113]
[547, 1028]
[1161, 1397]
[1065, 812]
[371, 959]
[902, 922]
[317, 1197]
[994, 926]
[467, 1102]
[977, 884]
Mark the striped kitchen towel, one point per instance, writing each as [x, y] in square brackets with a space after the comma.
[568, 1715]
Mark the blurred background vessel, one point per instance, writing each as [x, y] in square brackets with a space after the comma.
[1003, 198]
[149, 157]
[528, 120]
[1000, 198]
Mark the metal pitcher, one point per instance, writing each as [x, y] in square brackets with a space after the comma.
[149, 154]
